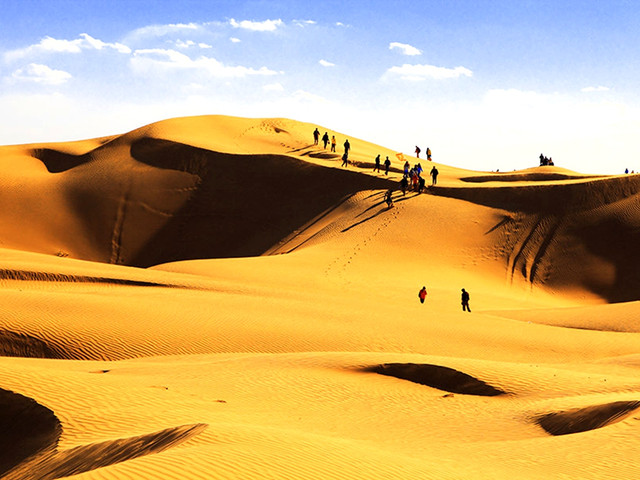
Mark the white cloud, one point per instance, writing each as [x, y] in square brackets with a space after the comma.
[204, 45]
[147, 60]
[185, 44]
[405, 49]
[325, 63]
[424, 72]
[53, 45]
[304, 23]
[273, 87]
[235, 40]
[162, 30]
[595, 89]
[42, 74]
[264, 26]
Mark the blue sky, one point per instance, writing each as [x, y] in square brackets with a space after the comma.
[484, 84]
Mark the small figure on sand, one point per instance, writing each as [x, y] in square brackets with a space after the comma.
[407, 166]
[428, 154]
[404, 183]
[388, 198]
[422, 294]
[347, 147]
[544, 161]
[325, 139]
[434, 175]
[465, 301]
[418, 151]
[316, 136]
[345, 159]
[377, 167]
[333, 143]
[387, 164]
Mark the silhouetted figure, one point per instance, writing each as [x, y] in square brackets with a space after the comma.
[387, 164]
[541, 160]
[465, 301]
[377, 167]
[422, 294]
[626, 170]
[333, 143]
[316, 136]
[325, 139]
[347, 146]
[418, 151]
[421, 184]
[345, 159]
[407, 166]
[403, 185]
[428, 154]
[434, 175]
[388, 199]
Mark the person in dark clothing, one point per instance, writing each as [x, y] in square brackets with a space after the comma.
[404, 183]
[421, 183]
[347, 147]
[377, 167]
[387, 164]
[325, 139]
[422, 294]
[345, 160]
[465, 301]
[316, 136]
[388, 199]
[434, 175]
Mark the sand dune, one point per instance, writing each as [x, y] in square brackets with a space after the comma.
[216, 297]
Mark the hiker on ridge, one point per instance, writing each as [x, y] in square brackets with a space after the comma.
[316, 136]
[422, 294]
[465, 301]
[434, 175]
[387, 164]
[333, 143]
[377, 167]
[325, 139]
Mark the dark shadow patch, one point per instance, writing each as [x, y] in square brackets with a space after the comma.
[436, 376]
[26, 429]
[584, 419]
[21, 345]
[61, 464]
[31, 276]
[57, 162]
[526, 177]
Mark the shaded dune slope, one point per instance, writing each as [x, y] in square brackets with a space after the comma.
[584, 419]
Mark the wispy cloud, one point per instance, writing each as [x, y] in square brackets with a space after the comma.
[404, 48]
[304, 23]
[264, 26]
[273, 87]
[147, 60]
[162, 30]
[595, 89]
[42, 74]
[53, 45]
[235, 40]
[427, 72]
[326, 63]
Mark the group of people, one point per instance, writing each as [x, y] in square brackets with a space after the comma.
[418, 152]
[465, 297]
[412, 178]
[325, 141]
[387, 164]
[544, 161]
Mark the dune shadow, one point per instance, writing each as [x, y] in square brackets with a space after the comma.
[57, 162]
[26, 428]
[584, 419]
[61, 464]
[526, 177]
[436, 376]
[14, 344]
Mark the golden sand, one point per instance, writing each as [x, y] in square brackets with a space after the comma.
[217, 298]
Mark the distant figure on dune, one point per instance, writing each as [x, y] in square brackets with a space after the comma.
[347, 147]
[422, 294]
[418, 151]
[325, 139]
[434, 175]
[388, 198]
[626, 170]
[377, 167]
[428, 154]
[407, 166]
[316, 136]
[345, 159]
[421, 183]
[333, 143]
[465, 301]
[387, 164]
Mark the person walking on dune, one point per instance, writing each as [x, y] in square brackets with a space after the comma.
[347, 147]
[325, 139]
[377, 167]
[422, 294]
[388, 198]
[428, 154]
[434, 175]
[418, 151]
[333, 143]
[387, 164]
[465, 301]
[316, 136]
[345, 160]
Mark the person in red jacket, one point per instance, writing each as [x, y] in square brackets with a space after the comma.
[422, 294]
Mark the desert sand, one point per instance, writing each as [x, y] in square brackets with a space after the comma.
[217, 298]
